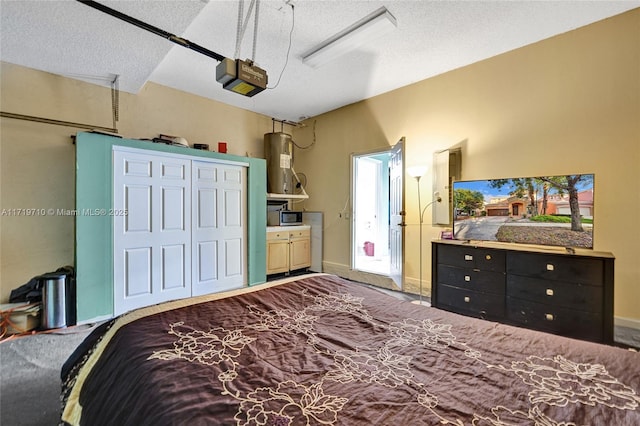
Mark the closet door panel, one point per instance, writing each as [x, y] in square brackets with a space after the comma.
[137, 272]
[219, 227]
[172, 234]
[205, 224]
[233, 261]
[173, 267]
[207, 267]
[137, 202]
[173, 209]
[232, 217]
[207, 210]
[137, 166]
[152, 241]
[232, 209]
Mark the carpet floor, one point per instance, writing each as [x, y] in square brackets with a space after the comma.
[30, 375]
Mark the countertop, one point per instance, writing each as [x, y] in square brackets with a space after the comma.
[287, 228]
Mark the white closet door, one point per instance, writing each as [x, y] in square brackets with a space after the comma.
[219, 227]
[152, 242]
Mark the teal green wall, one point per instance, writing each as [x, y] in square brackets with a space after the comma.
[94, 242]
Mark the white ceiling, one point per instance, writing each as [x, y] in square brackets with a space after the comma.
[432, 37]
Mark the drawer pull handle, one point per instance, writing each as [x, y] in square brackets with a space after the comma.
[488, 257]
[467, 299]
[550, 267]
[549, 292]
[467, 278]
[549, 317]
[468, 257]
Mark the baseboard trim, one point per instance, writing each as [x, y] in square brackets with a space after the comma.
[95, 320]
[627, 322]
[626, 331]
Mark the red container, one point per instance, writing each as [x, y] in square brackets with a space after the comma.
[368, 248]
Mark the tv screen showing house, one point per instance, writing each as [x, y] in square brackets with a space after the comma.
[541, 210]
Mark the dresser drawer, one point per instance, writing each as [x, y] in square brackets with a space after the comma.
[472, 279]
[472, 257]
[555, 319]
[558, 268]
[482, 305]
[557, 293]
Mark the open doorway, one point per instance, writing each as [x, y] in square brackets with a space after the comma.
[371, 213]
[377, 239]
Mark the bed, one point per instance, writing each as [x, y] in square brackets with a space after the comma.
[321, 350]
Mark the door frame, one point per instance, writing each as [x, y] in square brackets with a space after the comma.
[356, 237]
[389, 282]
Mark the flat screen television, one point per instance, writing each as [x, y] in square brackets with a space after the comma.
[540, 210]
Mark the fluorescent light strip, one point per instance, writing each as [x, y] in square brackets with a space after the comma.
[364, 31]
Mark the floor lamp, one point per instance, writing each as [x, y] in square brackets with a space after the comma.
[417, 172]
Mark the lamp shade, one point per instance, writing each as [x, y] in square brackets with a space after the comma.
[417, 171]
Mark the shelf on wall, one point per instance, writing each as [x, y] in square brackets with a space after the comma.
[272, 196]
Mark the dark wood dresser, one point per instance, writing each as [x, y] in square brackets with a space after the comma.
[547, 289]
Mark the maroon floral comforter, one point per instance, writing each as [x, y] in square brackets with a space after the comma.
[325, 351]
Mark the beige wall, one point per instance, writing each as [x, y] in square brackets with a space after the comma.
[569, 104]
[37, 163]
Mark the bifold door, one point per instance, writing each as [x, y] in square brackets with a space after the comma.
[218, 238]
[152, 230]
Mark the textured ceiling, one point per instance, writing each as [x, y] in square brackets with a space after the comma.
[432, 37]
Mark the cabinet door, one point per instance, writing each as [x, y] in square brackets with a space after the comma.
[152, 252]
[300, 253]
[277, 255]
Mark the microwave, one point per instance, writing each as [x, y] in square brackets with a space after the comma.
[284, 218]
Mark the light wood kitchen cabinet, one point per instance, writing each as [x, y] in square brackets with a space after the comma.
[288, 250]
[277, 252]
[299, 249]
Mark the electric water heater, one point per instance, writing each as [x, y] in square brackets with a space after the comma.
[278, 150]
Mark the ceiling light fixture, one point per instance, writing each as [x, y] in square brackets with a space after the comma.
[375, 25]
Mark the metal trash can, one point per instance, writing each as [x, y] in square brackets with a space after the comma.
[54, 302]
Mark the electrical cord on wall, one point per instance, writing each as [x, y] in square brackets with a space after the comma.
[341, 215]
[300, 184]
[313, 142]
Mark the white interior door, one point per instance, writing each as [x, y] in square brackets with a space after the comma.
[396, 212]
[152, 241]
[219, 227]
